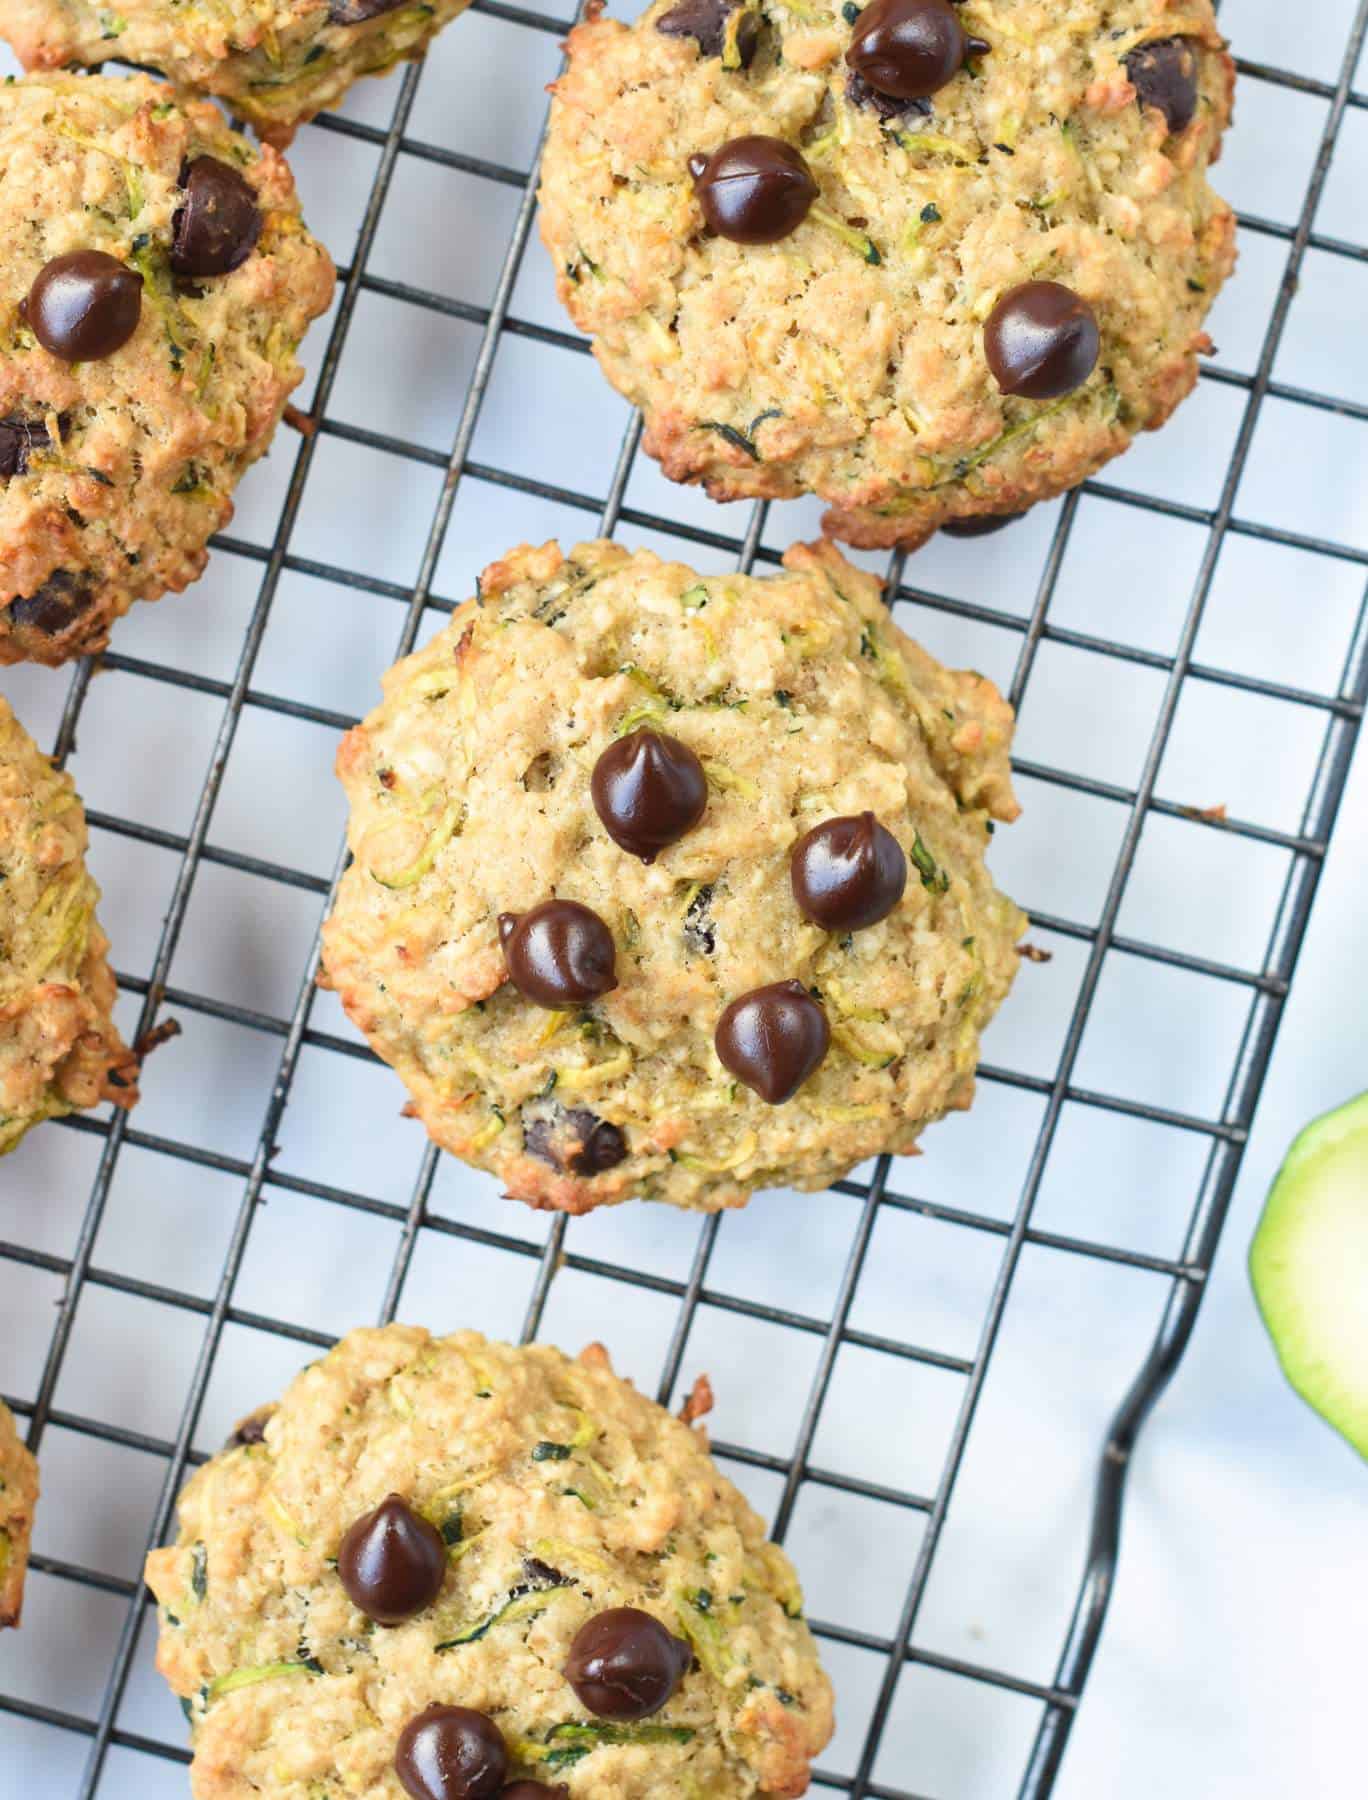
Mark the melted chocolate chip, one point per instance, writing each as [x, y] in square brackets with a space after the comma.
[19, 438]
[51, 608]
[217, 228]
[649, 790]
[1164, 75]
[910, 48]
[983, 526]
[392, 1563]
[251, 1430]
[754, 190]
[709, 22]
[84, 306]
[560, 954]
[624, 1665]
[859, 93]
[773, 1038]
[451, 1753]
[1041, 340]
[848, 873]
[574, 1140]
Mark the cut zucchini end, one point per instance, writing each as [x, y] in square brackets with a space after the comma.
[1309, 1268]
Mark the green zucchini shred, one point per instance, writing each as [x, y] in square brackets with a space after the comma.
[199, 1571]
[579, 1741]
[700, 1625]
[933, 878]
[241, 1678]
[546, 1451]
[520, 1605]
[737, 439]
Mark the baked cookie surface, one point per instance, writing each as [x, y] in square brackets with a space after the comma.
[165, 259]
[275, 64]
[478, 795]
[18, 1497]
[554, 1493]
[847, 358]
[59, 1047]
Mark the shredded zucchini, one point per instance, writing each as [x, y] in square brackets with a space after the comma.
[241, 1678]
[720, 776]
[447, 827]
[520, 1606]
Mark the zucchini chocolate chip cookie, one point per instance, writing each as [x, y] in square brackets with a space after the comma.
[925, 261]
[59, 1047]
[674, 886]
[18, 1497]
[452, 1569]
[157, 282]
[274, 65]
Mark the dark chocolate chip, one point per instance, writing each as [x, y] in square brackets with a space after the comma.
[251, 1430]
[708, 21]
[451, 1753]
[910, 48]
[700, 931]
[1164, 75]
[217, 228]
[859, 93]
[19, 438]
[357, 12]
[560, 954]
[983, 526]
[1041, 340]
[648, 790]
[773, 1038]
[84, 306]
[848, 873]
[754, 190]
[574, 1141]
[51, 608]
[392, 1562]
[624, 1665]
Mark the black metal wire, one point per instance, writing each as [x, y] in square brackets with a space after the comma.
[1267, 987]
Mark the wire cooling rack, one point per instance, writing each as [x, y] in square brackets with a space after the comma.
[148, 1291]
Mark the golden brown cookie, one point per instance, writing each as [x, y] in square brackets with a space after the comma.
[157, 280]
[595, 1003]
[502, 1533]
[59, 1047]
[18, 1497]
[810, 283]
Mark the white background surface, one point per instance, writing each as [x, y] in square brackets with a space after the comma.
[1234, 1659]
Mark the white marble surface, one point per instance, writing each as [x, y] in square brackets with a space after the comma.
[1233, 1662]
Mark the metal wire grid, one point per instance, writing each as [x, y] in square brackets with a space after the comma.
[1266, 987]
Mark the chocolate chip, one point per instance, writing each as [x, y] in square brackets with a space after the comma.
[19, 438]
[773, 1038]
[700, 931]
[451, 1753]
[392, 1562]
[251, 1430]
[624, 1665]
[848, 873]
[560, 954]
[356, 12]
[709, 21]
[859, 93]
[754, 190]
[542, 1575]
[983, 526]
[533, 1790]
[649, 790]
[217, 228]
[84, 306]
[910, 48]
[1164, 75]
[51, 608]
[574, 1140]
[1041, 340]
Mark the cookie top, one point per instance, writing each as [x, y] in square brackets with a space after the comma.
[744, 713]
[157, 281]
[59, 1047]
[18, 1497]
[275, 63]
[850, 357]
[554, 1493]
